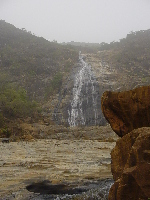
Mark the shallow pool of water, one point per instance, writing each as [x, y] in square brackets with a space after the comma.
[92, 190]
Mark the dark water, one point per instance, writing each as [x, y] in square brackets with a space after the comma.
[92, 190]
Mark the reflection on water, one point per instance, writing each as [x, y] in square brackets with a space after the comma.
[93, 190]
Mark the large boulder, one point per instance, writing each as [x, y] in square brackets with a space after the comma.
[127, 110]
[131, 166]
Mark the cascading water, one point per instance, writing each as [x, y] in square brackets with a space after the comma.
[85, 105]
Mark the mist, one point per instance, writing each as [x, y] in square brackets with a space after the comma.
[92, 21]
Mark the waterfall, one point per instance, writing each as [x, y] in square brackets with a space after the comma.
[86, 100]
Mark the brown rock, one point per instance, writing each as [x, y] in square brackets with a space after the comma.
[120, 153]
[131, 166]
[127, 110]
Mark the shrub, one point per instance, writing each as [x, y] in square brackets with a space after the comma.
[54, 85]
[14, 102]
[1, 120]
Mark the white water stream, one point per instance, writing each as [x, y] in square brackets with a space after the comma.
[84, 102]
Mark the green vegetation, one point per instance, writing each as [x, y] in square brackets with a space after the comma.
[5, 132]
[55, 85]
[130, 58]
[1, 119]
[32, 61]
[31, 68]
[132, 50]
[15, 103]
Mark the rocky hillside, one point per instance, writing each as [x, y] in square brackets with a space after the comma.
[32, 70]
[129, 59]
[120, 65]
[33, 62]
[46, 81]
[116, 66]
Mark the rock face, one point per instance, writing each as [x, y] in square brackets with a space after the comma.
[127, 110]
[78, 102]
[131, 166]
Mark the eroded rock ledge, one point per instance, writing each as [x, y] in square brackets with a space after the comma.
[129, 116]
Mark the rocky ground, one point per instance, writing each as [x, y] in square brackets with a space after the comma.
[57, 160]
[106, 74]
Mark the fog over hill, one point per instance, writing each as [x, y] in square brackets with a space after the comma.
[93, 21]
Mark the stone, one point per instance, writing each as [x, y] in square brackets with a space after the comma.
[127, 110]
[5, 140]
[131, 166]
[67, 160]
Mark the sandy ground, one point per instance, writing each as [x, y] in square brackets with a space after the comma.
[22, 163]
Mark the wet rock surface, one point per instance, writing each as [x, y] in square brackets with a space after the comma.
[78, 102]
[106, 74]
[45, 187]
[127, 110]
[85, 102]
[91, 190]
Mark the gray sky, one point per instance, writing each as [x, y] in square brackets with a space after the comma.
[78, 20]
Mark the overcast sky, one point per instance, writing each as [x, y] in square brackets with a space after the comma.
[78, 20]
